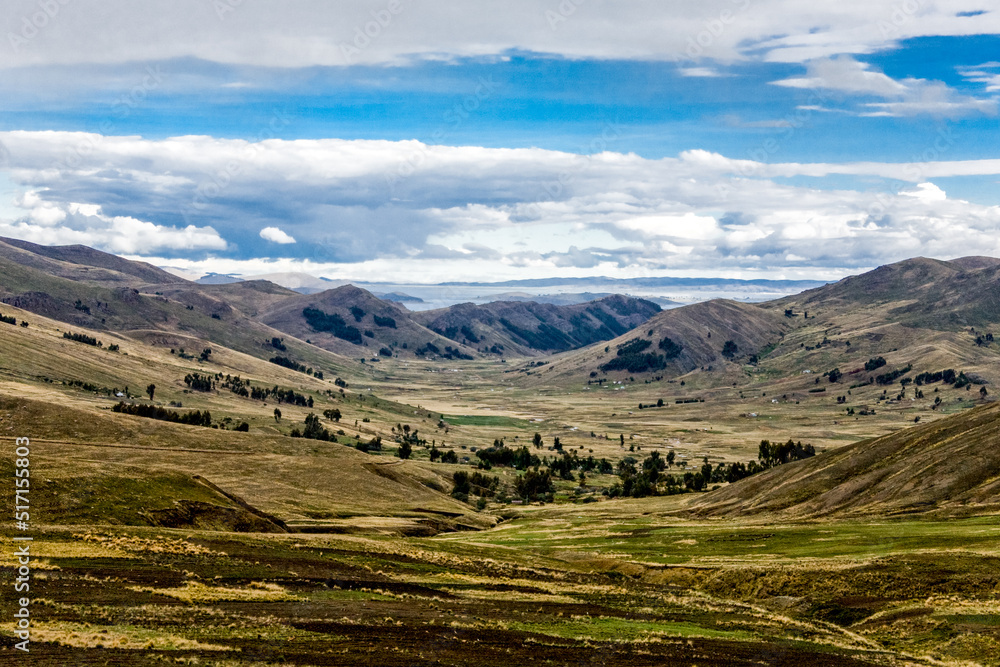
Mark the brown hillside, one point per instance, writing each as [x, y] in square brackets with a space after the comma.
[701, 330]
[948, 467]
[390, 326]
[527, 328]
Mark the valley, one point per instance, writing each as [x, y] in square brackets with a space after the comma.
[508, 483]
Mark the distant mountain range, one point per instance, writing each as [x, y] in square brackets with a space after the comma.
[92, 289]
[559, 291]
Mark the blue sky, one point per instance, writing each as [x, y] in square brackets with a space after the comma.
[525, 139]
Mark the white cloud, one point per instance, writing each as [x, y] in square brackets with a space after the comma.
[315, 32]
[62, 224]
[926, 192]
[908, 97]
[704, 72]
[275, 235]
[479, 211]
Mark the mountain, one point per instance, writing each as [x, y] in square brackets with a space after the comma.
[527, 328]
[351, 321]
[100, 292]
[678, 341]
[947, 467]
[572, 298]
[917, 292]
[79, 262]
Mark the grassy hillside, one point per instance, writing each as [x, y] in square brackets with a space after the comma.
[525, 328]
[948, 467]
[678, 341]
[355, 323]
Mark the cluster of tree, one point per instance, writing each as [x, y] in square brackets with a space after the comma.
[199, 382]
[534, 485]
[278, 344]
[652, 479]
[357, 312]
[87, 386]
[875, 363]
[79, 305]
[314, 430]
[671, 350]
[195, 418]
[502, 455]
[449, 456]
[659, 404]
[730, 349]
[771, 454]
[83, 338]
[547, 337]
[892, 376]
[984, 340]
[332, 323]
[484, 486]
[8, 319]
[565, 465]
[406, 436]
[834, 375]
[285, 362]
[387, 322]
[333, 414]
[632, 357]
[373, 445]
[385, 352]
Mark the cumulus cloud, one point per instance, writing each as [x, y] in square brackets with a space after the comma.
[275, 235]
[48, 223]
[482, 210]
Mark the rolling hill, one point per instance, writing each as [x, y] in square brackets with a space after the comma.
[678, 341]
[527, 328]
[351, 321]
[948, 467]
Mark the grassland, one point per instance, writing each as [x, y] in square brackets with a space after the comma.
[165, 543]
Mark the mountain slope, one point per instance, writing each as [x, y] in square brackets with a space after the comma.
[677, 341]
[917, 292]
[78, 262]
[528, 328]
[949, 467]
[351, 321]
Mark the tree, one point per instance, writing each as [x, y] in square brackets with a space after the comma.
[659, 402]
[206, 353]
[730, 349]
[983, 393]
[277, 415]
[405, 450]
[537, 440]
[462, 486]
[150, 389]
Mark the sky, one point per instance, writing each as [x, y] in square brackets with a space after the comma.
[430, 141]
